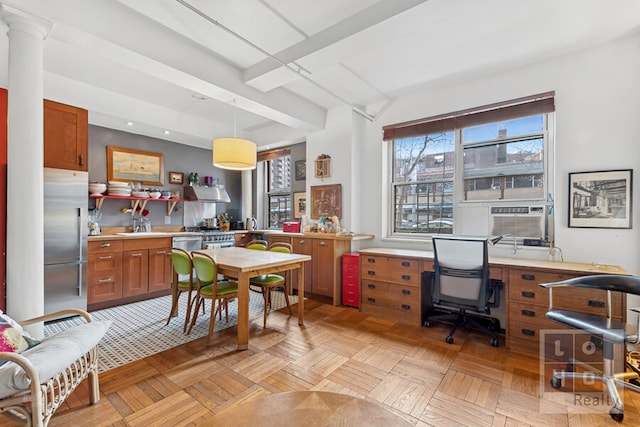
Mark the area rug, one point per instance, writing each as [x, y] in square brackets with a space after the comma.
[139, 329]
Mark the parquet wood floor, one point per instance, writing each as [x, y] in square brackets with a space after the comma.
[408, 370]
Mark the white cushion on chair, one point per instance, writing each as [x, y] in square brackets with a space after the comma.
[52, 355]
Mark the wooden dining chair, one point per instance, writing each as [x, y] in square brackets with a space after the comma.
[210, 288]
[182, 282]
[257, 244]
[270, 282]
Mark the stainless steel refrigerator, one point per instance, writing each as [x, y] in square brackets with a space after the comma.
[65, 239]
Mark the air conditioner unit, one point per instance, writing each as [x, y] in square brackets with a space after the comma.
[521, 222]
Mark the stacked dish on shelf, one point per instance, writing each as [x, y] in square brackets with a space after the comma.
[140, 193]
[117, 188]
[97, 188]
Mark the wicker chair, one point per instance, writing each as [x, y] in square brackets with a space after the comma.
[41, 378]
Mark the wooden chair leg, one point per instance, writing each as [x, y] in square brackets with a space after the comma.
[175, 295]
[212, 320]
[286, 299]
[266, 293]
[196, 308]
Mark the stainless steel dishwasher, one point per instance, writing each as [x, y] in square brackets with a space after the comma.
[188, 243]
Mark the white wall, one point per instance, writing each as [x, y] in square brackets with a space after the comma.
[336, 141]
[597, 128]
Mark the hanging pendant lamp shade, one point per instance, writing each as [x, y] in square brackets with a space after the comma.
[234, 153]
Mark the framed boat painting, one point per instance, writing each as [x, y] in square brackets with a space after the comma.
[125, 164]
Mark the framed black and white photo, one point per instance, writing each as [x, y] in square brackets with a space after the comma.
[600, 199]
[300, 170]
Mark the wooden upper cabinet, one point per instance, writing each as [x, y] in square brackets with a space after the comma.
[65, 136]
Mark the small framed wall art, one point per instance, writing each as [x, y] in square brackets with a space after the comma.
[600, 199]
[300, 170]
[176, 178]
[299, 204]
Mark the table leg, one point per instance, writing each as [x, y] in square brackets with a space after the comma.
[301, 294]
[243, 311]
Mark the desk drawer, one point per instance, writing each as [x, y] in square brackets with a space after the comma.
[524, 285]
[528, 313]
[391, 269]
[407, 314]
[392, 296]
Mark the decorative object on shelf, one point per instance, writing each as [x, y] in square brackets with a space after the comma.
[323, 166]
[326, 200]
[193, 179]
[600, 199]
[125, 164]
[234, 153]
[301, 170]
[299, 204]
[176, 178]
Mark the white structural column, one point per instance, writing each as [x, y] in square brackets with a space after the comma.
[247, 200]
[25, 154]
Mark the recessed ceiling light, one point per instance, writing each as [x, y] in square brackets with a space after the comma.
[129, 123]
[166, 132]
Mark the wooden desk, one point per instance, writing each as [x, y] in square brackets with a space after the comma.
[391, 287]
[244, 264]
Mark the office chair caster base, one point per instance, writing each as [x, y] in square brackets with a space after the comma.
[494, 342]
[617, 414]
[449, 339]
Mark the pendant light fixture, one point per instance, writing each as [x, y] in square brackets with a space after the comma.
[234, 153]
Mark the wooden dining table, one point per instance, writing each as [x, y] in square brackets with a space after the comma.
[243, 264]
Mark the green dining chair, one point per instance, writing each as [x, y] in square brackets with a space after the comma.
[270, 282]
[182, 282]
[210, 288]
[260, 245]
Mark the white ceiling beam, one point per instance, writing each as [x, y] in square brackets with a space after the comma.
[163, 54]
[263, 75]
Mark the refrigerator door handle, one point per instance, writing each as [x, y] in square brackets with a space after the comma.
[80, 279]
[80, 235]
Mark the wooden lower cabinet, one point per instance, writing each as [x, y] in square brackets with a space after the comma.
[146, 266]
[121, 271]
[241, 239]
[323, 274]
[391, 287]
[104, 271]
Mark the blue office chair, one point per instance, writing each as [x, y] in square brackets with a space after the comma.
[610, 332]
[462, 284]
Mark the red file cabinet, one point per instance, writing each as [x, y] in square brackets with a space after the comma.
[351, 280]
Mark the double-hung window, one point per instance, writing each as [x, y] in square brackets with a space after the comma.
[494, 155]
[278, 176]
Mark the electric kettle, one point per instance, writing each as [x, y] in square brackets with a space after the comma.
[251, 223]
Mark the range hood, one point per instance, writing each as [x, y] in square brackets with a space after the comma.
[216, 194]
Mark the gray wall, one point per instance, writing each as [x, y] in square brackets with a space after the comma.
[177, 158]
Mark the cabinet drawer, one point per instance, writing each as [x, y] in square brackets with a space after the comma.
[529, 313]
[524, 285]
[104, 246]
[135, 244]
[391, 295]
[408, 314]
[390, 269]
